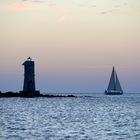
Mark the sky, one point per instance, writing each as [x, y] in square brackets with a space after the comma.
[74, 43]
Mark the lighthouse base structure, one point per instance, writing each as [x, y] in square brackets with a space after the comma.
[30, 93]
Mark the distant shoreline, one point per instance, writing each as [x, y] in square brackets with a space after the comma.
[16, 94]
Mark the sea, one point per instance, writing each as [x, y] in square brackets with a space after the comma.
[85, 117]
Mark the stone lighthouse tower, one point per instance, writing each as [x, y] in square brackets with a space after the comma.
[29, 79]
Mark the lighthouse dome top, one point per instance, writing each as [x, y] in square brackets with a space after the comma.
[29, 59]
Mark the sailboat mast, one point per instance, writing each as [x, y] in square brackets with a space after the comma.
[115, 78]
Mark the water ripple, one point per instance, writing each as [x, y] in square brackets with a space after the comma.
[95, 118]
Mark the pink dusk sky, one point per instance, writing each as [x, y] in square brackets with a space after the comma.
[74, 43]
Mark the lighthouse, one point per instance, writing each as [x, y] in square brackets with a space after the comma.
[29, 88]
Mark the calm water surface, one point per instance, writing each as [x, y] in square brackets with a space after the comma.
[82, 118]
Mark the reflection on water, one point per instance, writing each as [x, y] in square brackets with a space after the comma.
[83, 118]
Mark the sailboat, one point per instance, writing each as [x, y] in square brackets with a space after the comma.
[114, 87]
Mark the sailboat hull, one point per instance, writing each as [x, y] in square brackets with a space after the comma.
[113, 92]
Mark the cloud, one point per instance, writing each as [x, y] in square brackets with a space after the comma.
[104, 12]
[60, 19]
[108, 12]
[23, 6]
[50, 4]
[34, 0]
